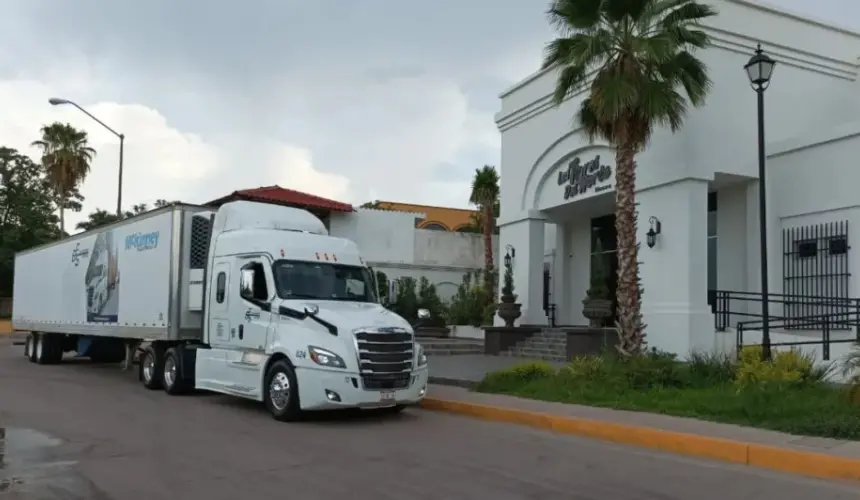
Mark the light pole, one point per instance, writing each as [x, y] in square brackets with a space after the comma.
[56, 101]
[759, 70]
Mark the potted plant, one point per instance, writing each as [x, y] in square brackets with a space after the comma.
[598, 306]
[509, 310]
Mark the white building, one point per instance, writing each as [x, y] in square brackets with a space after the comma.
[700, 183]
[390, 242]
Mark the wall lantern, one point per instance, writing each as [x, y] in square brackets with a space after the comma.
[510, 253]
[656, 228]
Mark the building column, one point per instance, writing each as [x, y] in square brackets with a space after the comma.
[675, 272]
[561, 274]
[526, 236]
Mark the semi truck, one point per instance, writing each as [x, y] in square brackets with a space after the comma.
[250, 299]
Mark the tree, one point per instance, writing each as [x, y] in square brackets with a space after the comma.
[26, 211]
[66, 157]
[485, 194]
[641, 56]
[99, 217]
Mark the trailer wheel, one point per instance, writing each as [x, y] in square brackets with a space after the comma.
[174, 383]
[28, 347]
[281, 393]
[151, 368]
[50, 349]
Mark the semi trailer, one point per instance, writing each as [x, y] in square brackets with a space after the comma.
[250, 299]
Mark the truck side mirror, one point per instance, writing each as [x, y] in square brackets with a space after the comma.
[393, 289]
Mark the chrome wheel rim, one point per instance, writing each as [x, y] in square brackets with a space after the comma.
[148, 367]
[38, 348]
[279, 391]
[169, 372]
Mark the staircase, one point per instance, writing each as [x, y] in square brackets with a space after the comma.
[450, 346]
[547, 345]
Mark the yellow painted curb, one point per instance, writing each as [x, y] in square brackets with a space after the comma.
[809, 464]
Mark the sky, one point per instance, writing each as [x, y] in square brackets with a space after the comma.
[354, 100]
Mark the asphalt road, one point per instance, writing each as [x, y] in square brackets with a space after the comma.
[120, 441]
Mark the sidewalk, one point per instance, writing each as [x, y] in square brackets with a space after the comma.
[816, 457]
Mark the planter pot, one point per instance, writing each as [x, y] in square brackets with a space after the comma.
[509, 312]
[597, 311]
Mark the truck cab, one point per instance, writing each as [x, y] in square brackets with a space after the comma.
[291, 318]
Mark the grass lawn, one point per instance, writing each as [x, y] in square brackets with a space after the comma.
[785, 395]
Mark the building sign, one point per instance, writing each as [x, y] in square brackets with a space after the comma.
[578, 177]
[141, 241]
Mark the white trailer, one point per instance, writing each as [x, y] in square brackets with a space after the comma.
[251, 299]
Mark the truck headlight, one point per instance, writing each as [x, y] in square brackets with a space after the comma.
[422, 358]
[324, 357]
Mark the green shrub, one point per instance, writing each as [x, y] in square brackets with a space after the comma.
[710, 369]
[471, 305]
[653, 369]
[517, 375]
[587, 369]
[413, 295]
[785, 367]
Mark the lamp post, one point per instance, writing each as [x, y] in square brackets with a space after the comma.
[56, 101]
[759, 70]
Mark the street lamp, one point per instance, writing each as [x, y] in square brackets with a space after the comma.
[759, 70]
[56, 101]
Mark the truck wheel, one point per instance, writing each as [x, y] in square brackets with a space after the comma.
[151, 368]
[28, 347]
[51, 349]
[281, 393]
[174, 383]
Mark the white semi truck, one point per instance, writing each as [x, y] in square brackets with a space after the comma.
[252, 300]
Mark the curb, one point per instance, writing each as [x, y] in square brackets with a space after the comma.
[770, 457]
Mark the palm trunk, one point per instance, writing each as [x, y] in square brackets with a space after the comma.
[62, 216]
[631, 331]
[489, 281]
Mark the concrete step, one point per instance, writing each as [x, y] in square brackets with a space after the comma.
[452, 352]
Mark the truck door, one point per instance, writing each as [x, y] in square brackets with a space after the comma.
[250, 303]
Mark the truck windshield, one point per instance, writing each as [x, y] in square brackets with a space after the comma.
[323, 281]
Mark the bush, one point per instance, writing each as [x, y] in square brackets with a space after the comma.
[413, 295]
[785, 367]
[520, 373]
[787, 395]
[471, 305]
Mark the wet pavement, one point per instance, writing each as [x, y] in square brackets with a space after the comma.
[83, 431]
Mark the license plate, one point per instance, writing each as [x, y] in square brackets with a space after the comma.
[386, 396]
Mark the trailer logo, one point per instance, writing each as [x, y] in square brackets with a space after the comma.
[78, 254]
[141, 241]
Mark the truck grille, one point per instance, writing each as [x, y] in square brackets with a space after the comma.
[385, 358]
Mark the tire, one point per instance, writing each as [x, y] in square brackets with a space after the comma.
[280, 379]
[151, 368]
[174, 383]
[41, 350]
[28, 347]
[52, 349]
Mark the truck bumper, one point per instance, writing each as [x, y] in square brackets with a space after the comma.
[329, 390]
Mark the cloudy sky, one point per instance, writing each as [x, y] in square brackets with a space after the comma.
[350, 99]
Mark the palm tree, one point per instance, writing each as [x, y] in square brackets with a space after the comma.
[66, 158]
[485, 194]
[634, 61]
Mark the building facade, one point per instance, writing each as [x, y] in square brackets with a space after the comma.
[434, 218]
[701, 185]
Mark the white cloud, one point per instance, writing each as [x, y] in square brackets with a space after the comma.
[159, 160]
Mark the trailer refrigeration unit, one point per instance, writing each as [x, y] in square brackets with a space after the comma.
[251, 299]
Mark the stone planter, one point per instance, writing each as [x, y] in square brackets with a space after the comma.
[597, 311]
[509, 312]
